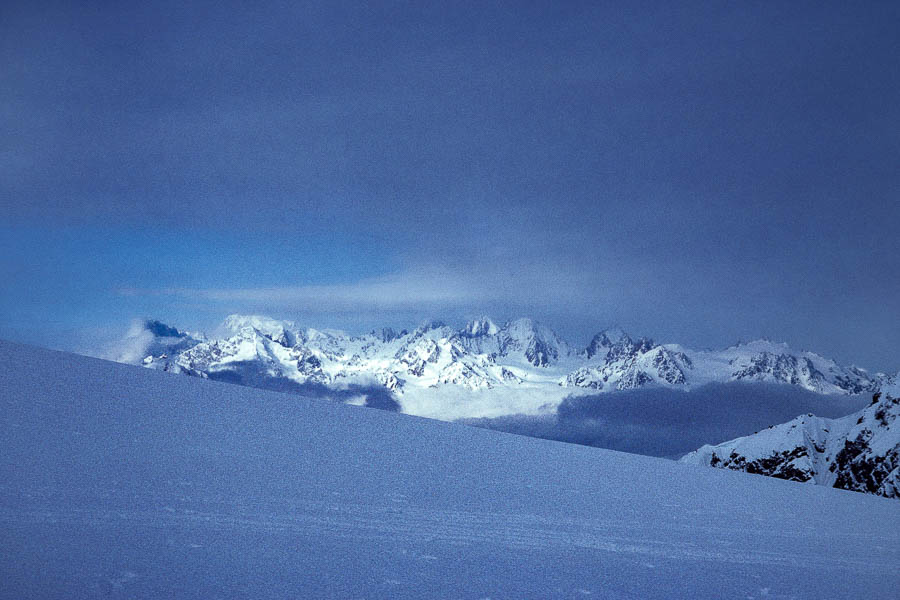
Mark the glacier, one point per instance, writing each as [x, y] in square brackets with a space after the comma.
[122, 482]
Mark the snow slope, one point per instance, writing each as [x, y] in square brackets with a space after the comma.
[859, 452]
[482, 370]
[122, 482]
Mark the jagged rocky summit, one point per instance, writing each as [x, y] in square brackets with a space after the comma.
[518, 367]
[859, 452]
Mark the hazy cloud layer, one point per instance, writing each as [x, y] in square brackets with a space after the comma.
[670, 423]
[374, 396]
[433, 288]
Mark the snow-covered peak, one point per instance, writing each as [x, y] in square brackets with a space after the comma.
[525, 329]
[540, 344]
[432, 325]
[282, 332]
[520, 327]
[387, 334]
[606, 340]
[611, 336]
[761, 345]
[480, 327]
[891, 388]
[261, 323]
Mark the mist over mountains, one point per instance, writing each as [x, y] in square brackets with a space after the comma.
[670, 422]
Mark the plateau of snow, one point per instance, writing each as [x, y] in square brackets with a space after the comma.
[123, 482]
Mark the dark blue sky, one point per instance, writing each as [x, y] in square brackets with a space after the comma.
[698, 173]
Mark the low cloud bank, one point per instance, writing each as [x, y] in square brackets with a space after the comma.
[669, 423]
[147, 337]
[371, 396]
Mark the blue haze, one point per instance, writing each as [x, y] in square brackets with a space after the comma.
[698, 172]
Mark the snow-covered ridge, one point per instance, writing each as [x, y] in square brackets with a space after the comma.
[859, 452]
[519, 366]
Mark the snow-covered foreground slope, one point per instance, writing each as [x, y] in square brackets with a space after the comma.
[482, 370]
[126, 483]
[859, 452]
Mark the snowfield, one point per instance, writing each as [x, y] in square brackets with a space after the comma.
[124, 482]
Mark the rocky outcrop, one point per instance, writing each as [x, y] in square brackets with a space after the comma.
[860, 452]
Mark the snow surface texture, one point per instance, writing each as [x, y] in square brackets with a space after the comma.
[859, 452]
[124, 483]
[520, 367]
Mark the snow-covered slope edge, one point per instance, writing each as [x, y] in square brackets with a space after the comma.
[122, 482]
[859, 452]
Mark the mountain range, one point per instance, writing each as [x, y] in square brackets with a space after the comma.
[519, 367]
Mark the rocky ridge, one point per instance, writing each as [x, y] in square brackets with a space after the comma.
[859, 452]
